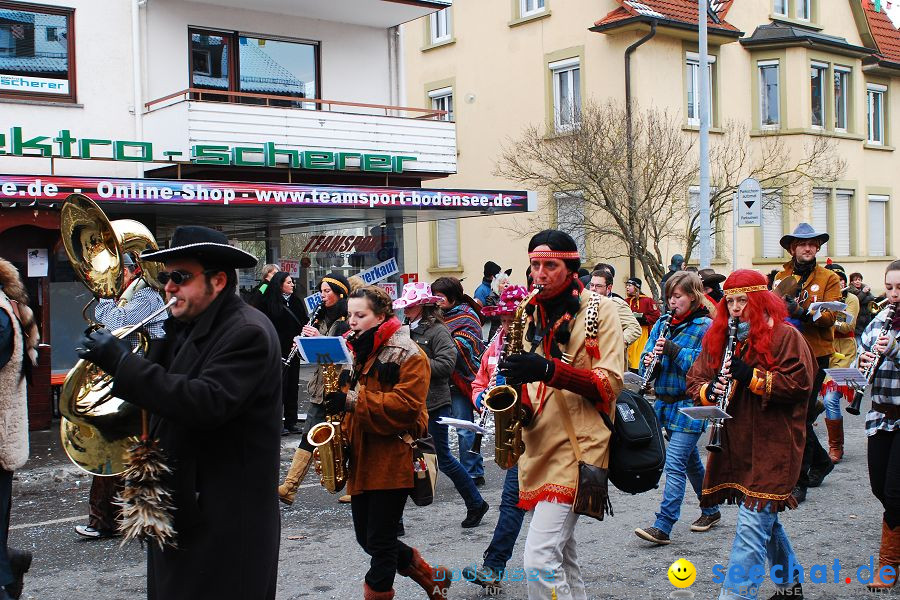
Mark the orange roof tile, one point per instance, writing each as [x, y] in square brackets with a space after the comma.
[886, 35]
[683, 11]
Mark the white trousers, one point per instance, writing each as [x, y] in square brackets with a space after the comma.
[550, 558]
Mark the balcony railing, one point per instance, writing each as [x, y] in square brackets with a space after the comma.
[275, 101]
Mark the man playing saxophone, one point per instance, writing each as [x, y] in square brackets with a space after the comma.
[137, 302]
[573, 364]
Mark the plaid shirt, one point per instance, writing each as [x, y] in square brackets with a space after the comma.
[671, 380]
[886, 383]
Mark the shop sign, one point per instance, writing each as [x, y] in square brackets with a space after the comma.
[342, 243]
[291, 267]
[266, 154]
[312, 301]
[22, 83]
[190, 192]
[371, 275]
[391, 289]
[409, 278]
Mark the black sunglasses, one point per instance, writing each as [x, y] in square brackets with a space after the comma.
[179, 277]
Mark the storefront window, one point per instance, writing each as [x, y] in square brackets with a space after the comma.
[256, 65]
[35, 53]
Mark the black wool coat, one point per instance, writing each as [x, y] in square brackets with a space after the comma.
[214, 394]
[288, 320]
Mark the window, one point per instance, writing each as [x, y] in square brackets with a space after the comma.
[820, 215]
[772, 226]
[693, 88]
[878, 225]
[694, 209]
[442, 99]
[781, 7]
[36, 52]
[843, 200]
[566, 94]
[875, 112]
[266, 66]
[817, 94]
[530, 7]
[447, 243]
[440, 26]
[803, 8]
[769, 109]
[570, 217]
[841, 89]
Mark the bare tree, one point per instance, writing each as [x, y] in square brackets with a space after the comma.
[590, 163]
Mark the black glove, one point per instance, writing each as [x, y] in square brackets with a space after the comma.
[526, 367]
[741, 371]
[103, 349]
[795, 311]
[335, 403]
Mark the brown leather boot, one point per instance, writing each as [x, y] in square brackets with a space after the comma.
[295, 475]
[888, 555]
[434, 580]
[370, 594]
[835, 439]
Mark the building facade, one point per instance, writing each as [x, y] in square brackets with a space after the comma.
[279, 122]
[800, 70]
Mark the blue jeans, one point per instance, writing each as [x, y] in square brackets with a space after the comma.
[682, 458]
[447, 463]
[832, 402]
[462, 408]
[759, 537]
[508, 525]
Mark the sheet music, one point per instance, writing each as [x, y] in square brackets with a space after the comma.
[816, 308]
[847, 376]
[704, 412]
[461, 424]
[632, 379]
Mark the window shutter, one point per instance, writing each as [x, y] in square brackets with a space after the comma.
[820, 216]
[772, 228]
[447, 243]
[842, 223]
[877, 225]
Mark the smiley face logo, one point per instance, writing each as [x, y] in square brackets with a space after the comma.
[682, 573]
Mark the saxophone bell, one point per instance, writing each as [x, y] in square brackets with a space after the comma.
[330, 454]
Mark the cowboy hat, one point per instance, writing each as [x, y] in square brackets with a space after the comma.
[710, 278]
[804, 231]
[414, 293]
[205, 245]
[508, 302]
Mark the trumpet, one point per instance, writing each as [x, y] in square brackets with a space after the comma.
[869, 373]
[715, 434]
[482, 420]
[876, 306]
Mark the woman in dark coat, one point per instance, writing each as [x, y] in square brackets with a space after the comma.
[288, 315]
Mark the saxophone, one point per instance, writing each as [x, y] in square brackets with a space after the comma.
[330, 454]
[504, 401]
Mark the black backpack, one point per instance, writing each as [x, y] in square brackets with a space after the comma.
[637, 451]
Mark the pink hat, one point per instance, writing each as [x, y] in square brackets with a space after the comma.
[509, 300]
[416, 293]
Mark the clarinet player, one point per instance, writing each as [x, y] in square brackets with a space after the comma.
[879, 340]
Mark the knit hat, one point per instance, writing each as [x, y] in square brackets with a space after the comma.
[509, 300]
[338, 284]
[635, 282]
[490, 269]
[837, 269]
[415, 293]
[677, 261]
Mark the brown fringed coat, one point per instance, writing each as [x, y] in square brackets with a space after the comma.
[762, 444]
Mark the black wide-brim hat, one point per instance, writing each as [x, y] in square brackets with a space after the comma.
[804, 231]
[205, 245]
[710, 277]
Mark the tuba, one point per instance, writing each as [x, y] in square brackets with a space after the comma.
[330, 454]
[96, 428]
[504, 401]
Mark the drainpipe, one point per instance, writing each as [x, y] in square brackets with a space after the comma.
[632, 201]
[137, 73]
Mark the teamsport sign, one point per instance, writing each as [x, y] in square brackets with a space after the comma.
[47, 188]
[266, 154]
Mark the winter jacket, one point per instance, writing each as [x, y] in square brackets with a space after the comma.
[434, 339]
[821, 286]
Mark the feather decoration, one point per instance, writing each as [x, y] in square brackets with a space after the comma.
[146, 504]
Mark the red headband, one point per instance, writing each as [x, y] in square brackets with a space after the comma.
[562, 255]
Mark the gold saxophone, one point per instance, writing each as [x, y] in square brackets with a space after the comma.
[504, 401]
[330, 454]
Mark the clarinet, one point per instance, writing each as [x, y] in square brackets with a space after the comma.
[869, 373]
[482, 420]
[715, 434]
[286, 362]
[649, 369]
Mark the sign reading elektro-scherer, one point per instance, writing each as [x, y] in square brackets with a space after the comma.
[265, 154]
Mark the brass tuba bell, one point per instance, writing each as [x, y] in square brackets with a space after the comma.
[97, 428]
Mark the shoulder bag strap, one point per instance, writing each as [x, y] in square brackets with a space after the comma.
[567, 421]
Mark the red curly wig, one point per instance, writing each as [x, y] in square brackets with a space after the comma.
[760, 306]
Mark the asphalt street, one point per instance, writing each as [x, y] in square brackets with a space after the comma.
[321, 559]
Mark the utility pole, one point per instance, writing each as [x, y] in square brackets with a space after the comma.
[703, 101]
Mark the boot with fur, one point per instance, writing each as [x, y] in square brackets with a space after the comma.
[295, 475]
